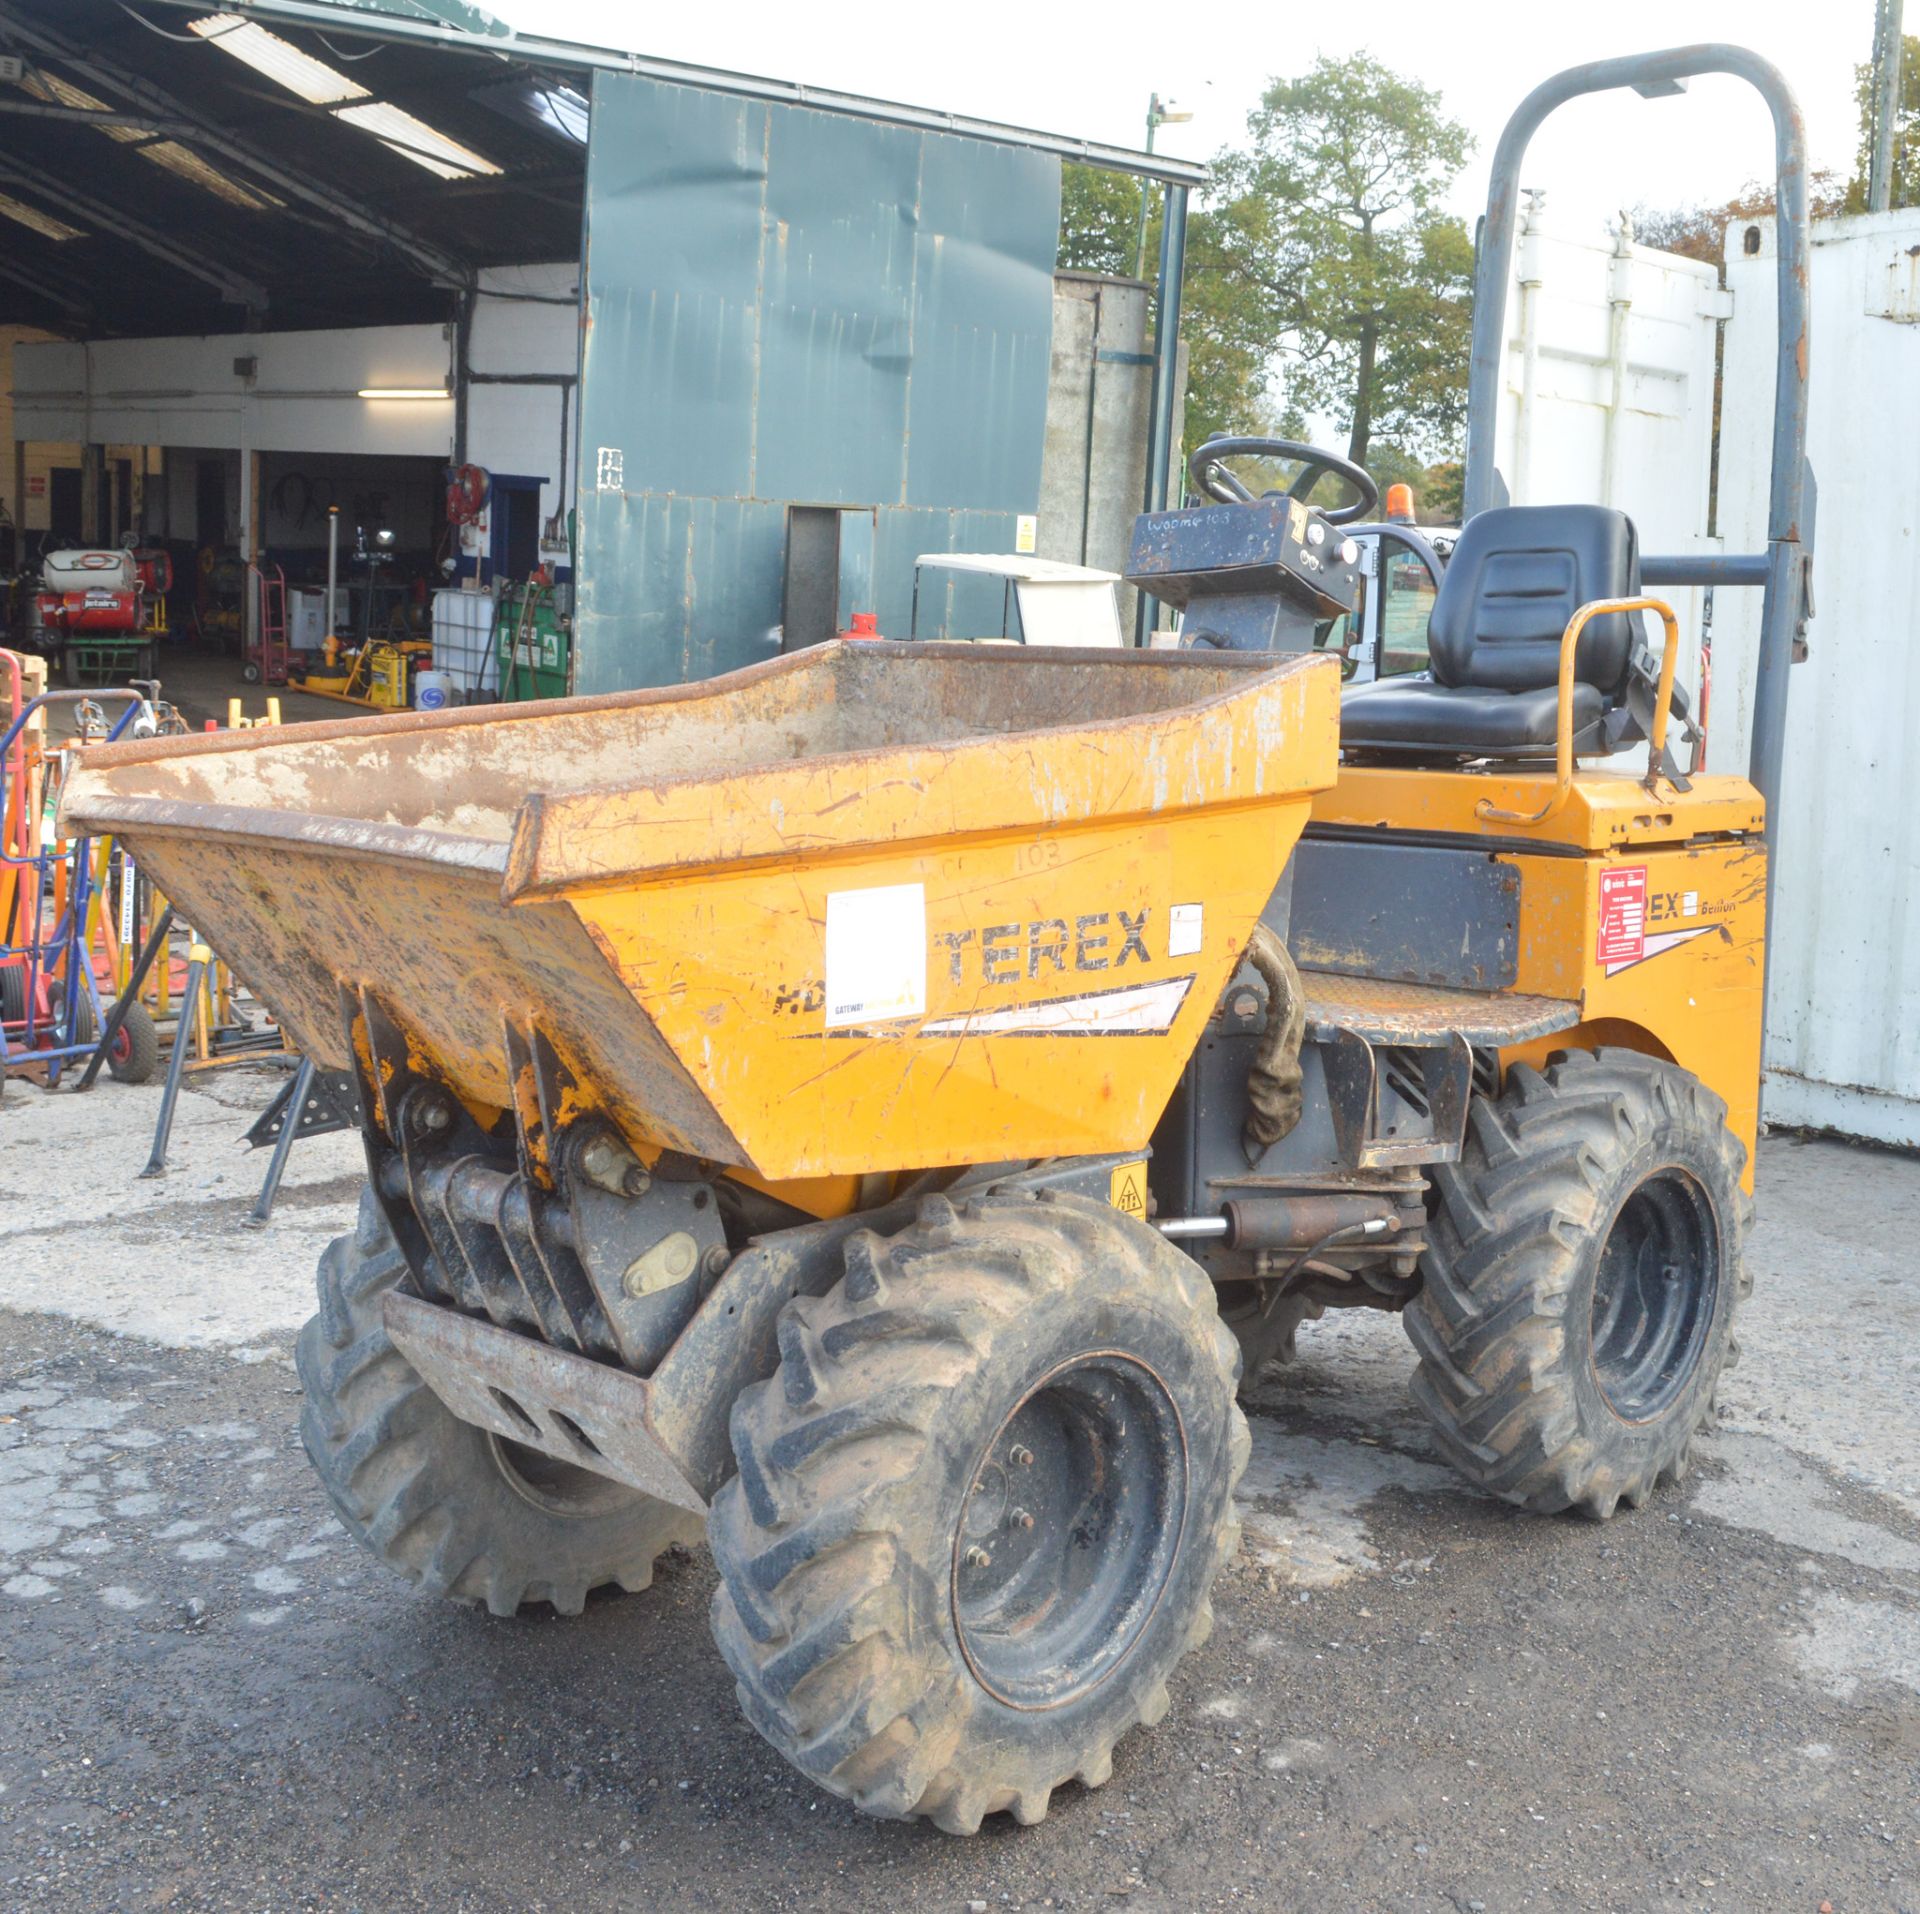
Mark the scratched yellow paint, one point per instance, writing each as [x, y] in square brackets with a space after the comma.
[1606, 807]
[1083, 905]
[1693, 991]
[664, 921]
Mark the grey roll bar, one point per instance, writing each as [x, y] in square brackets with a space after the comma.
[1783, 569]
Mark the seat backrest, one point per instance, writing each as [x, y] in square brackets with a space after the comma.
[1516, 577]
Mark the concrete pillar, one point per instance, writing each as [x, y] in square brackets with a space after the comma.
[1093, 469]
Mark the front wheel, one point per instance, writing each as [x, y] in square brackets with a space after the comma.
[458, 1510]
[1579, 1291]
[980, 1507]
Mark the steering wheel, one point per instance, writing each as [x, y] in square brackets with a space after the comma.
[1315, 463]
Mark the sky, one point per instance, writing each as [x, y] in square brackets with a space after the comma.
[1088, 71]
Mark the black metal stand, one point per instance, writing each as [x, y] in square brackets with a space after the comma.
[283, 1145]
[199, 957]
[315, 1102]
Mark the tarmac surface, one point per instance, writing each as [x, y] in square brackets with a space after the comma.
[1415, 1699]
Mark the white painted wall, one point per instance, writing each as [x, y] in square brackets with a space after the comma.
[1648, 386]
[184, 394]
[518, 328]
[1843, 1011]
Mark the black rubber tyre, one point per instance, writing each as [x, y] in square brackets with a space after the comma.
[449, 1506]
[1005, 1349]
[135, 1054]
[1586, 1261]
[69, 667]
[136, 1045]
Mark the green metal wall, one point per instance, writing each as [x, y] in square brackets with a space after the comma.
[786, 306]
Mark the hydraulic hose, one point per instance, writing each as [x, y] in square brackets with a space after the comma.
[1274, 1084]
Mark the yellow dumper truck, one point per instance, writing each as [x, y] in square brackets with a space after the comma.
[876, 1108]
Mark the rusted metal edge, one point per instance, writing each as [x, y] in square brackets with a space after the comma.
[96, 812]
[524, 882]
[520, 1389]
[1426, 1013]
[818, 658]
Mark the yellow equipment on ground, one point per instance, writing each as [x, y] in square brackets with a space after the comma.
[377, 674]
[877, 1107]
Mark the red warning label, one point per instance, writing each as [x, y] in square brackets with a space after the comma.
[1623, 914]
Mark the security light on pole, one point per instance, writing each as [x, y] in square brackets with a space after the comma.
[1159, 113]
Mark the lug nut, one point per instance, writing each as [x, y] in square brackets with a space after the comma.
[1021, 1519]
[977, 1557]
[1021, 1457]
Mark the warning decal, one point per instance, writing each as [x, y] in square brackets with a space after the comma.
[1623, 915]
[1127, 1190]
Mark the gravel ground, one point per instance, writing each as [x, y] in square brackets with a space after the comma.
[1416, 1699]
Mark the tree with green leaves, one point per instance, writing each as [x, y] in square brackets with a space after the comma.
[1099, 219]
[1322, 276]
[1330, 229]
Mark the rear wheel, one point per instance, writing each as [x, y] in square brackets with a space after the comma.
[980, 1508]
[456, 1509]
[1579, 1292]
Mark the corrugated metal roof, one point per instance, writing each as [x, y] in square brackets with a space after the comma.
[447, 13]
[445, 22]
[196, 179]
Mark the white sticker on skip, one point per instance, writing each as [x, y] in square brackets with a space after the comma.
[876, 954]
[1186, 927]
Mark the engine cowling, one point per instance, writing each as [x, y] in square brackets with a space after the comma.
[97, 609]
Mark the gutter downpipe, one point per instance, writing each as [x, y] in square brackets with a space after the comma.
[1789, 554]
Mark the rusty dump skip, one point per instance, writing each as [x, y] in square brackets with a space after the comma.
[765, 918]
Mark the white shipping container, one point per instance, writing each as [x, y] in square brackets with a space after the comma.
[1608, 396]
[1843, 1001]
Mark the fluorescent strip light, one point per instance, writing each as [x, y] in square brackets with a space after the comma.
[397, 130]
[280, 60]
[36, 221]
[403, 392]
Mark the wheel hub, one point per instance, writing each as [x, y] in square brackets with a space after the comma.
[1069, 1530]
[560, 1488]
[1654, 1295]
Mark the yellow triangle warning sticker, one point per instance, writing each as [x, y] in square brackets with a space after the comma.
[1127, 1190]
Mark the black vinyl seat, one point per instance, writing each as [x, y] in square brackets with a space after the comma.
[1517, 576]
